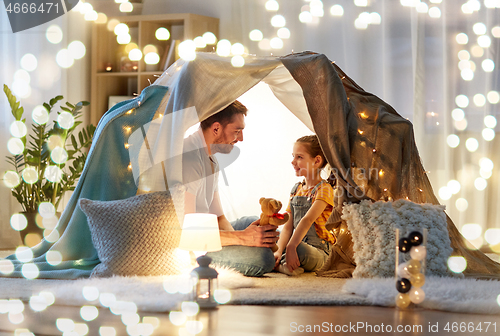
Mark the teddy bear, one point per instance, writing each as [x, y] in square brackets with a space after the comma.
[270, 208]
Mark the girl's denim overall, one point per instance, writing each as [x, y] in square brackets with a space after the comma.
[312, 251]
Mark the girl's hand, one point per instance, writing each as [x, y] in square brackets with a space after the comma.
[277, 258]
[292, 259]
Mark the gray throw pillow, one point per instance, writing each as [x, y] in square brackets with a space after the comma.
[374, 240]
[138, 235]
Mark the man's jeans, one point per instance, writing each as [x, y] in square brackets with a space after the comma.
[249, 260]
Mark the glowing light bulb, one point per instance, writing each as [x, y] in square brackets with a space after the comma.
[237, 49]
[126, 7]
[479, 100]
[445, 193]
[18, 129]
[337, 10]
[237, 61]
[65, 120]
[477, 51]
[457, 114]
[11, 179]
[91, 16]
[112, 24]
[463, 55]
[283, 33]
[461, 204]
[272, 5]
[471, 144]
[121, 29]
[462, 38]
[29, 62]
[493, 97]
[305, 17]
[18, 222]
[152, 58]
[162, 34]
[434, 12]
[30, 175]
[462, 101]
[187, 50]
[479, 28]
[256, 35]
[209, 38]
[223, 48]
[422, 7]
[278, 21]
[59, 155]
[199, 42]
[480, 183]
[457, 264]
[64, 59]
[77, 49]
[135, 55]
[488, 134]
[484, 41]
[467, 74]
[265, 44]
[488, 65]
[276, 43]
[454, 186]
[54, 34]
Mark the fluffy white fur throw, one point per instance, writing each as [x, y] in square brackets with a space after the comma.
[441, 293]
[146, 292]
[373, 233]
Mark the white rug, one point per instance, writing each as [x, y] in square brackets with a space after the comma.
[448, 294]
[147, 293]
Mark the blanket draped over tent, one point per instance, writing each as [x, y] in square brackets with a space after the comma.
[358, 132]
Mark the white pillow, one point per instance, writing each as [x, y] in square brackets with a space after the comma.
[372, 226]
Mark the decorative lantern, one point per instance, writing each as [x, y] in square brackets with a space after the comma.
[200, 232]
[206, 283]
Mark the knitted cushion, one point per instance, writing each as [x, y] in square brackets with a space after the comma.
[372, 226]
[138, 235]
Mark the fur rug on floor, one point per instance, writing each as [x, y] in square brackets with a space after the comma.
[149, 294]
[448, 294]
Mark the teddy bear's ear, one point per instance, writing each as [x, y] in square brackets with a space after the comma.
[274, 203]
[261, 199]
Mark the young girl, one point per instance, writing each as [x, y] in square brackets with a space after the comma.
[304, 242]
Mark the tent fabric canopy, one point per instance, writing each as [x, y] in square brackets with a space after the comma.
[138, 146]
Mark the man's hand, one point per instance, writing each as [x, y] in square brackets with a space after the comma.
[261, 236]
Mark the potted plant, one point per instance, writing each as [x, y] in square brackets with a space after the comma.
[46, 163]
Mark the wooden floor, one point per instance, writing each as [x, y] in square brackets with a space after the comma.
[275, 320]
[269, 320]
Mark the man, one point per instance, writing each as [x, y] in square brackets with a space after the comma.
[246, 245]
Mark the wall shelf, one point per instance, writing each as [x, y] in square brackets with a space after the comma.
[107, 52]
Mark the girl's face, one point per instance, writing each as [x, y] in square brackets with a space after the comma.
[303, 163]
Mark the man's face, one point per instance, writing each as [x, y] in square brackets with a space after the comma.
[230, 135]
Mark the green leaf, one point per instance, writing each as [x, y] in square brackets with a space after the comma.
[47, 107]
[70, 105]
[65, 109]
[80, 137]
[73, 142]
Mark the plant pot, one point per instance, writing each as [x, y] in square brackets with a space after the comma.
[33, 233]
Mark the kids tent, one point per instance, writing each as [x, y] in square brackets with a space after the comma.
[358, 132]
